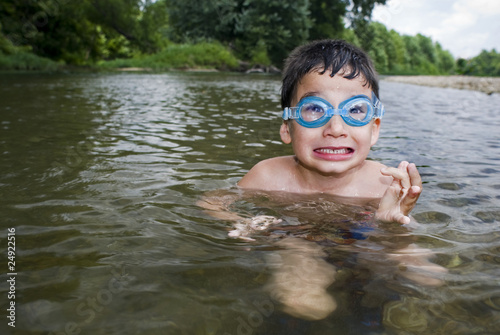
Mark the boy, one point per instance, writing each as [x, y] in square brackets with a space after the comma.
[332, 118]
[331, 150]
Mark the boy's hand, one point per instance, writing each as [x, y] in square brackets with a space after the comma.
[402, 194]
[246, 227]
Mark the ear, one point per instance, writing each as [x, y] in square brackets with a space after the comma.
[375, 131]
[285, 134]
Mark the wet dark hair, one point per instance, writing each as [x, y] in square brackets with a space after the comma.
[332, 55]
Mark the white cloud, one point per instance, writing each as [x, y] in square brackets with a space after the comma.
[483, 7]
[460, 19]
[464, 27]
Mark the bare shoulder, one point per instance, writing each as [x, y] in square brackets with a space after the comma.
[373, 169]
[374, 166]
[374, 183]
[270, 174]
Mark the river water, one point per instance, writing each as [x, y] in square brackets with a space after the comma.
[101, 173]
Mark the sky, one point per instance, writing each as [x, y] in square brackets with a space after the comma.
[463, 27]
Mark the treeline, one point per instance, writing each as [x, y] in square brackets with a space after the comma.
[487, 63]
[166, 34]
[401, 54]
[86, 31]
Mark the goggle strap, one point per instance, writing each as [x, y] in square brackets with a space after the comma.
[377, 105]
[287, 113]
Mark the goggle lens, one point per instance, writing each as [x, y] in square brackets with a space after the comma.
[312, 111]
[358, 111]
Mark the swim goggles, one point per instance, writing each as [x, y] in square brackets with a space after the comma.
[314, 112]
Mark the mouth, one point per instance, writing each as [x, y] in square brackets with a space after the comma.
[334, 154]
[334, 151]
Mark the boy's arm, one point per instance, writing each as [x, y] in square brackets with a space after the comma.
[219, 206]
[217, 203]
[402, 194]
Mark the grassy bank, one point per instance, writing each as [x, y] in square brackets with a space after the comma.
[180, 56]
[26, 61]
[175, 56]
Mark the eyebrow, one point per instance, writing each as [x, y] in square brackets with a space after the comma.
[316, 94]
[308, 94]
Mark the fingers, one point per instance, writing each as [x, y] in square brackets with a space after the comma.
[414, 191]
[402, 194]
[407, 175]
[403, 165]
[403, 219]
[415, 178]
[405, 182]
[390, 199]
[399, 174]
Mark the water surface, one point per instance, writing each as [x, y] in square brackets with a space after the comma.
[100, 175]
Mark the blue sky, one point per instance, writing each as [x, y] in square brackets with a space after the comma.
[463, 27]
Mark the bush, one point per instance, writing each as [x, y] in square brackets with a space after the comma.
[181, 56]
[24, 60]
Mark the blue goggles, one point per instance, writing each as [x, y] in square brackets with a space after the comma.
[314, 112]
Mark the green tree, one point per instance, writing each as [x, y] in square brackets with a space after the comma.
[420, 55]
[350, 36]
[427, 48]
[446, 62]
[364, 32]
[358, 16]
[401, 60]
[139, 22]
[461, 66]
[362, 9]
[487, 63]
[278, 25]
[415, 55]
[153, 25]
[81, 32]
[195, 21]
[386, 48]
[6, 46]
[57, 30]
[380, 47]
[327, 18]
[256, 29]
[264, 29]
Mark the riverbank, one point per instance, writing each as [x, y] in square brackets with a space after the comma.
[215, 57]
[202, 56]
[488, 85]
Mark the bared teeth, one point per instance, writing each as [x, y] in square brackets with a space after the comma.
[334, 151]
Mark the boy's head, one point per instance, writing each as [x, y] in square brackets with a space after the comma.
[326, 56]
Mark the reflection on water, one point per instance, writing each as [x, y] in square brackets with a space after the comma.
[100, 178]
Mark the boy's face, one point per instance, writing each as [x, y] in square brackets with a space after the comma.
[335, 148]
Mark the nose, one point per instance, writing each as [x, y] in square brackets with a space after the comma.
[335, 127]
